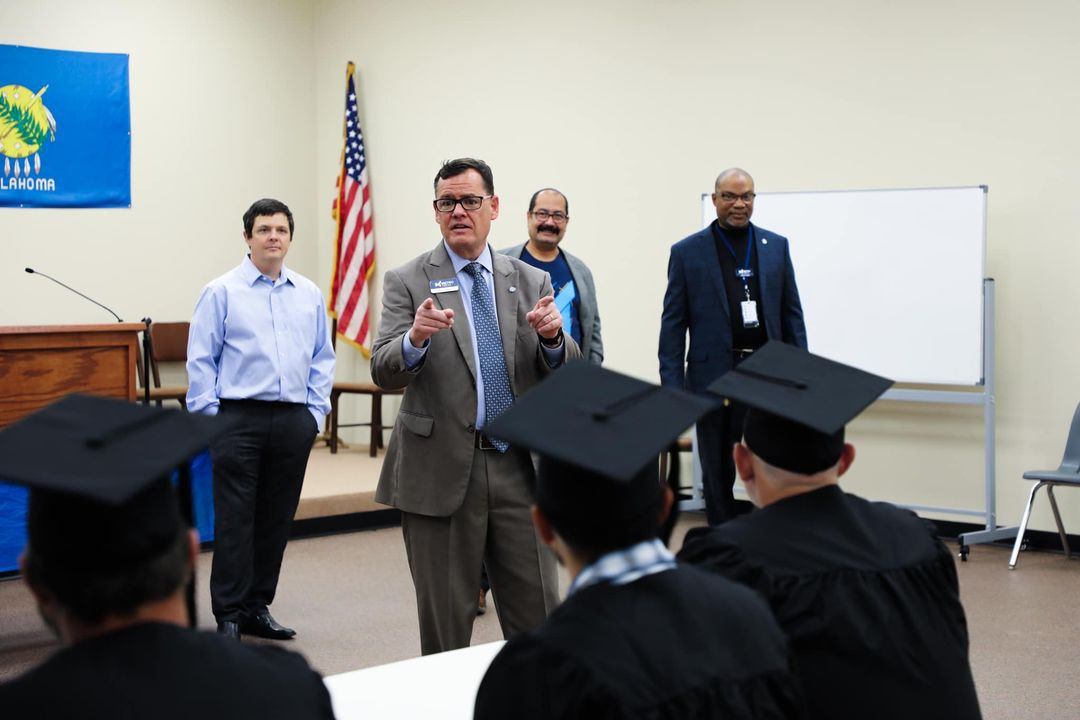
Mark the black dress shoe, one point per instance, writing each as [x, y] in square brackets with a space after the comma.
[229, 629]
[264, 626]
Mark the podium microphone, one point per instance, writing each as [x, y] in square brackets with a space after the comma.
[32, 271]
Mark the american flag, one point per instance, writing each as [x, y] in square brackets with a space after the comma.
[354, 256]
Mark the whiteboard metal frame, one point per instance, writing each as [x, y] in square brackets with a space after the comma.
[986, 397]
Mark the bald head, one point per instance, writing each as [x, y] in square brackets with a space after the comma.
[732, 173]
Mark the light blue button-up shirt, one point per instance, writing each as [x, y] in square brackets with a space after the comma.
[413, 355]
[253, 338]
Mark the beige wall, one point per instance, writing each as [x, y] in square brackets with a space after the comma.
[222, 113]
[631, 108]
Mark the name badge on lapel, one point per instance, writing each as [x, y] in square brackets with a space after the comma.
[441, 286]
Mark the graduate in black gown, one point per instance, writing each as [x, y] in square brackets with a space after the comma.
[865, 591]
[107, 561]
[638, 636]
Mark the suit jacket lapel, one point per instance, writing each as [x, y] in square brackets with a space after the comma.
[439, 267]
[587, 299]
[506, 306]
[764, 262]
[710, 260]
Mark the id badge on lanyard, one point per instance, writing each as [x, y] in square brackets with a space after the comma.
[745, 273]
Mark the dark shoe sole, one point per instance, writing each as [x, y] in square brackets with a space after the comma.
[257, 629]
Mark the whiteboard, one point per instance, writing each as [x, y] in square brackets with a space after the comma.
[890, 280]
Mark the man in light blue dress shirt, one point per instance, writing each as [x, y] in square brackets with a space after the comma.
[260, 352]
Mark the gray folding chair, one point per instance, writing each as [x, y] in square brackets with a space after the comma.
[1067, 474]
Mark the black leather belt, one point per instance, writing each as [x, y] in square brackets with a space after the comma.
[483, 442]
[258, 404]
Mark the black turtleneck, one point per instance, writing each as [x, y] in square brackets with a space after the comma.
[742, 337]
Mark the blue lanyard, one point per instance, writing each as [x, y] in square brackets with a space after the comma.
[749, 249]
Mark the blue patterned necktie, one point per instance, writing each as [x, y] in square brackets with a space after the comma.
[497, 393]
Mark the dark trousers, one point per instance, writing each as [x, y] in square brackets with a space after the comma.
[258, 472]
[717, 434]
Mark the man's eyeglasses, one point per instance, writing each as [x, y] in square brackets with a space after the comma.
[746, 197]
[559, 217]
[469, 202]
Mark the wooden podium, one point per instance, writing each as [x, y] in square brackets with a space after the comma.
[41, 364]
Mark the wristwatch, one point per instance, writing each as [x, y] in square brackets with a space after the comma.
[552, 342]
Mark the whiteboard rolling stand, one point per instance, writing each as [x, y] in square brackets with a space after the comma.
[987, 399]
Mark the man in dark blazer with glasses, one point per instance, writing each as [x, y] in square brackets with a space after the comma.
[732, 287]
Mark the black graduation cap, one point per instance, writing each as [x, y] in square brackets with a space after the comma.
[799, 404]
[98, 472]
[598, 434]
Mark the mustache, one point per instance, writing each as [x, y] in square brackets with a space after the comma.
[548, 228]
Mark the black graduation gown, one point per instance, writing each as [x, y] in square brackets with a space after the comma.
[675, 644]
[867, 595]
[163, 671]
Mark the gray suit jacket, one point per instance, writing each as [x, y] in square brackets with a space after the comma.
[592, 347]
[429, 456]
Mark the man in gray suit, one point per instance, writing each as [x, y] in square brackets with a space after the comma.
[465, 331]
[575, 292]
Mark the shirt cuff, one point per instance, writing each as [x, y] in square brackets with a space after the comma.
[413, 355]
[554, 356]
[211, 409]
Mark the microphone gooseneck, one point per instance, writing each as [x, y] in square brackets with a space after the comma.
[32, 271]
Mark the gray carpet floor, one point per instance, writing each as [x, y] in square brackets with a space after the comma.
[351, 599]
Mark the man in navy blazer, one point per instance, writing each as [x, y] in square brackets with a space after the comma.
[732, 286]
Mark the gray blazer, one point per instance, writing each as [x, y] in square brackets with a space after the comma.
[592, 347]
[429, 455]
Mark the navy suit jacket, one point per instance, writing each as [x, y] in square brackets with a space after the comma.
[696, 301]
